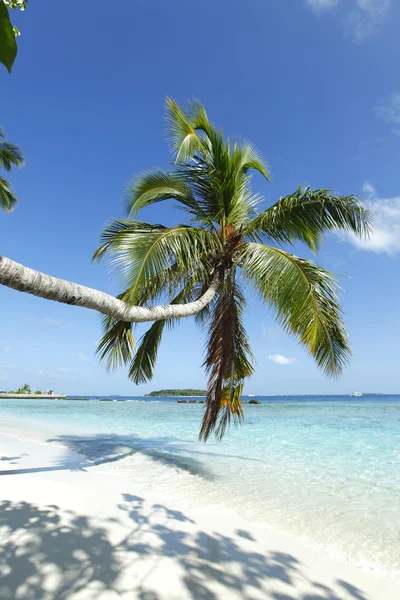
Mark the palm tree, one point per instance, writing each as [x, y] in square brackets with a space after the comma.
[229, 244]
[10, 155]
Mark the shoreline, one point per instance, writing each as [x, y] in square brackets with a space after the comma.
[156, 544]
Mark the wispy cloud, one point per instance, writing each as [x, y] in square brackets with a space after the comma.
[279, 359]
[322, 5]
[366, 18]
[385, 236]
[60, 372]
[363, 20]
[269, 331]
[369, 190]
[6, 348]
[389, 110]
[7, 367]
[81, 356]
[2, 378]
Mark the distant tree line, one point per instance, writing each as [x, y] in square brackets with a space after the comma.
[24, 389]
[186, 392]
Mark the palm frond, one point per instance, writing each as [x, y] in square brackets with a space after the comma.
[215, 170]
[307, 214]
[206, 184]
[304, 298]
[10, 155]
[228, 360]
[155, 186]
[143, 363]
[117, 344]
[8, 199]
[246, 157]
[230, 409]
[161, 286]
[242, 204]
[140, 251]
[116, 232]
[185, 142]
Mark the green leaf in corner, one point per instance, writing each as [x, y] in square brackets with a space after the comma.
[8, 45]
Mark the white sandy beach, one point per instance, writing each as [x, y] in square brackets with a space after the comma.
[71, 530]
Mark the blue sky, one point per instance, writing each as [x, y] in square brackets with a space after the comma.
[314, 85]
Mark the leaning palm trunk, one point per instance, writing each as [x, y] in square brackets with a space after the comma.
[24, 279]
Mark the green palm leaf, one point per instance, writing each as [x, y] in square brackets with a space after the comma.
[155, 186]
[245, 157]
[307, 214]
[228, 360]
[143, 363]
[184, 140]
[304, 298]
[230, 409]
[117, 344]
[10, 155]
[141, 251]
[8, 199]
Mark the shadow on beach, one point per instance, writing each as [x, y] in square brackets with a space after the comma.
[50, 554]
[98, 449]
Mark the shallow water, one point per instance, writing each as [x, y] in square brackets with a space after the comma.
[324, 468]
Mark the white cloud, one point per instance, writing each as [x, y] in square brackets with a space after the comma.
[6, 348]
[279, 359]
[369, 189]
[363, 20]
[7, 367]
[3, 378]
[321, 5]
[60, 373]
[389, 110]
[81, 356]
[366, 18]
[385, 236]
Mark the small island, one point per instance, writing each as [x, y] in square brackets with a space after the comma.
[187, 392]
[25, 391]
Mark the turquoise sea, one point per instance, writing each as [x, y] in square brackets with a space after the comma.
[324, 468]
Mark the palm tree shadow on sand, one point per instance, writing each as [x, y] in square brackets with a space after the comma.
[99, 449]
[50, 554]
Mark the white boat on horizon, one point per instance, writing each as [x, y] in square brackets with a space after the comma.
[356, 394]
